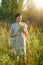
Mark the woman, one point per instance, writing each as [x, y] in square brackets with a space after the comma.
[18, 33]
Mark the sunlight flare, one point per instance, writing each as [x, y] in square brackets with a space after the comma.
[38, 3]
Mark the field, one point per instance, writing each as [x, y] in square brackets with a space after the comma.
[34, 47]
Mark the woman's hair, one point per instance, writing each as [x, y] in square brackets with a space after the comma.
[17, 14]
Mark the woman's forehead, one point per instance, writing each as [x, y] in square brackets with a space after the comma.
[19, 16]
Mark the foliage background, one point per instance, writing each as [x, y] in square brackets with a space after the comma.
[34, 19]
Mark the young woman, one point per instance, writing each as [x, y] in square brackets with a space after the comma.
[18, 34]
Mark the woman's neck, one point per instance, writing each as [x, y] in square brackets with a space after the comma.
[18, 22]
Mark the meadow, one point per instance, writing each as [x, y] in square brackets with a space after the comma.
[34, 46]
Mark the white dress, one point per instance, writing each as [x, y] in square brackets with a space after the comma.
[18, 42]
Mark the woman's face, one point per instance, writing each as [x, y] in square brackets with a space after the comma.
[19, 18]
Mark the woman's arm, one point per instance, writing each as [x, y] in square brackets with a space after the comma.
[25, 31]
[12, 33]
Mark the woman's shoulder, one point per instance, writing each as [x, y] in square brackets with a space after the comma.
[14, 24]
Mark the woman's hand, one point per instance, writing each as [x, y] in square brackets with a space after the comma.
[25, 31]
[12, 34]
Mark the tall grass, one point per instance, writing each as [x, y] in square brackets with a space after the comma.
[34, 47]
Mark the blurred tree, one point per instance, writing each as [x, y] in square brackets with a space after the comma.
[10, 7]
[33, 14]
[7, 9]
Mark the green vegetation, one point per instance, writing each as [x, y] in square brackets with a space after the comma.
[34, 47]
[34, 42]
